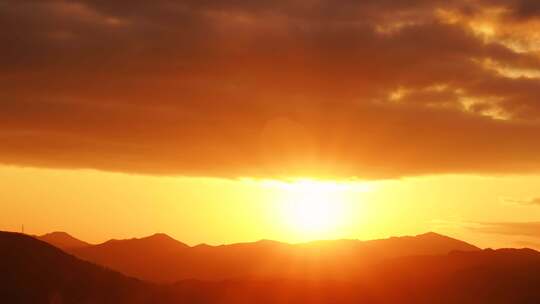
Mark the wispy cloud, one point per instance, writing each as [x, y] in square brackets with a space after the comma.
[529, 229]
[534, 201]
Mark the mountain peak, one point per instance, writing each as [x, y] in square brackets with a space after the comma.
[162, 238]
[432, 234]
[62, 240]
[159, 236]
[157, 240]
[57, 234]
[434, 238]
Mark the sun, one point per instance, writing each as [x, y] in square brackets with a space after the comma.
[314, 210]
[311, 213]
[307, 210]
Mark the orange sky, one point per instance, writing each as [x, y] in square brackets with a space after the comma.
[180, 111]
[96, 206]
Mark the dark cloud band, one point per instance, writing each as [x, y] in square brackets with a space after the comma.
[339, 89]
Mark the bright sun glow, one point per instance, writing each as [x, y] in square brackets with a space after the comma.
[314, 210]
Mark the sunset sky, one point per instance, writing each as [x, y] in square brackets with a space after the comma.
[230, 121]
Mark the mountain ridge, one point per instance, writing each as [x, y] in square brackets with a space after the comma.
[174, 260]
[32, 271]
[166, 237]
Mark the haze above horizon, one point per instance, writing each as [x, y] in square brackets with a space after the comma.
[233, 121]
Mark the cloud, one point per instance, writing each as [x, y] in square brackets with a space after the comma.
[535, 201]
[529, 229]
[368, 89]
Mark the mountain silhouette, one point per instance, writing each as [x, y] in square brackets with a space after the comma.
[506, 276]
[341, 259]
[487, 276]
[62, 240]
[32, 271]
[158, 243]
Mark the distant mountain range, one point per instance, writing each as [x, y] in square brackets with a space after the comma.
[32, 271]
[160, 258]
